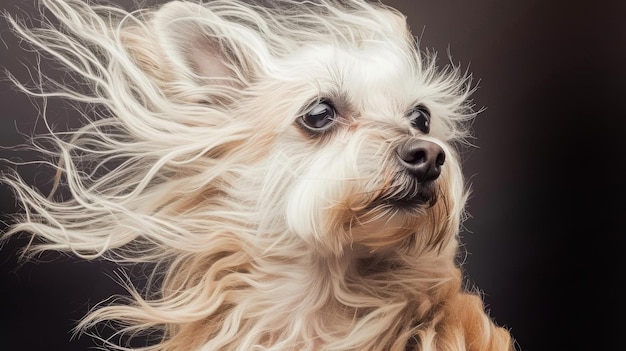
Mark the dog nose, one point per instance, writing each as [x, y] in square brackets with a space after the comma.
[423, 159]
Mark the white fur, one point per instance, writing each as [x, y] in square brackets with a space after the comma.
[263, 237]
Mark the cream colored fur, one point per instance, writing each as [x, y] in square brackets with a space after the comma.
[263, 236]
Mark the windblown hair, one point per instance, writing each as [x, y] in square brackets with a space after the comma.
[263, 234]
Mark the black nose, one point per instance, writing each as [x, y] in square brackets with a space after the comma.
[423, 159]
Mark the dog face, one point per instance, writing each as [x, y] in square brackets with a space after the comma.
[365, 165]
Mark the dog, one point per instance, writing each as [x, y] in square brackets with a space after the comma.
[288, 171]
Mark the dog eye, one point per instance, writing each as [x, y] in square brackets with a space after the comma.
[320, 117]
[420, 118]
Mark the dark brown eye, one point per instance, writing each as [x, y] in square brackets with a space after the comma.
[319, 117]
[420, 118]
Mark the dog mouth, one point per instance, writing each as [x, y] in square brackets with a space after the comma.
[407, 193]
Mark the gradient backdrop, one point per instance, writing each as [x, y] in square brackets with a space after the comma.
[545, 240]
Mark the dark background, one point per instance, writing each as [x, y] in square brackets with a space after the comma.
[545, 239]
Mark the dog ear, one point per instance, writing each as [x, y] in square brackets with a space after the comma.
[200, 46]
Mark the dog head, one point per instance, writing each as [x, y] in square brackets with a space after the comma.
[340, 131]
